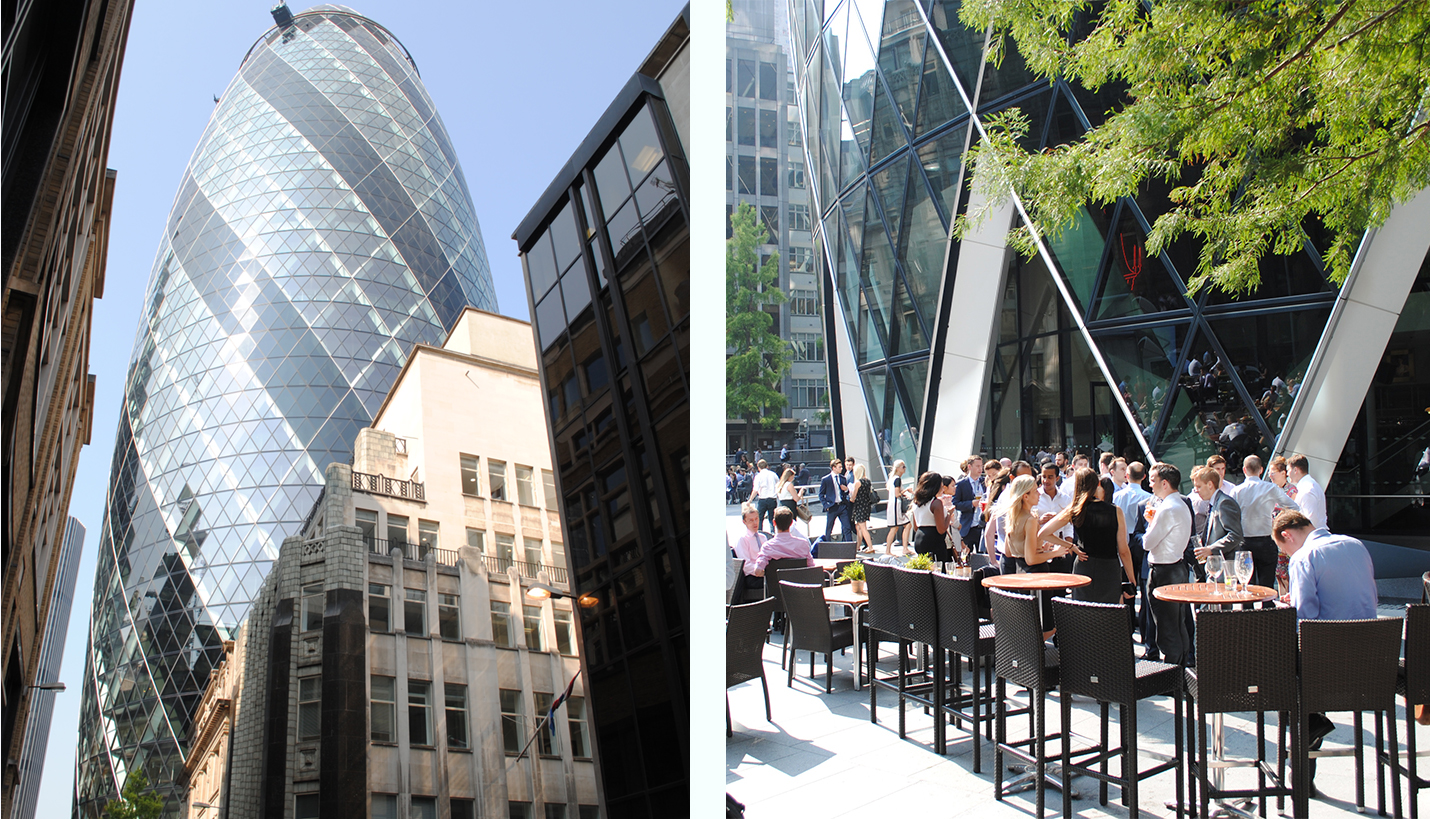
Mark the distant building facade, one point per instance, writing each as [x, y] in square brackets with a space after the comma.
[206, 766]
[61, 74]
[606, 252]
[393, 663]
[765, 167]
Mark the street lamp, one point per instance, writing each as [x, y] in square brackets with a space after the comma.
[542, 591]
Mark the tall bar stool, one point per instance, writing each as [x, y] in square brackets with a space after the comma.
[964, 635]
[918, 619]
[1024, 660]
[799, 573]
[813, 631]
[1413, 683]
[1096, 660]
[1244, 663]
[1351, 665]
[883, 621]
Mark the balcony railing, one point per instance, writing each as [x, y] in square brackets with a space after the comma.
[500, 565]
[383, 485]
[412, 551]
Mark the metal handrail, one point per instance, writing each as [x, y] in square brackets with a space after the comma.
[392, 487]
[500, 565]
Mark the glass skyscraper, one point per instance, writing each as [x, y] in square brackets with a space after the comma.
[321, 229]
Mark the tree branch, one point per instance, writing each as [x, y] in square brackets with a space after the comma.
[1372, 22]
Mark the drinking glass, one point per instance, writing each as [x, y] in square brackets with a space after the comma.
[1215, 567]
[1245, 568]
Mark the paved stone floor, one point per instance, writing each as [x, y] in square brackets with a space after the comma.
[822, 757]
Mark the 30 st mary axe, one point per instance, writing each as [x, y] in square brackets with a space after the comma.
[322, 228]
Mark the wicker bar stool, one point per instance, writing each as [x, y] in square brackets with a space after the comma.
[1096, 660]
[1244, 661]
[811, 629]
[962, 634]
[772, 587]
[918, 618]
[1351, 665]
[1024, 660]
[744, 650]
[795, 574]
[883, 621]
[1413, 683]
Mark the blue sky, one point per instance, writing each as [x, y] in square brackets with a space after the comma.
[517, 85]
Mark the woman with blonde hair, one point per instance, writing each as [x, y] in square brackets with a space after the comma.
[788, 494]
[1015, 507]
[897, 513]
[862, 497]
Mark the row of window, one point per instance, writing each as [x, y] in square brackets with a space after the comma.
[505, 626]
[497, 488]
[740, 79]
[808, 393]
[428, 531]
[420, 706]
[765, 181]
[384, 806]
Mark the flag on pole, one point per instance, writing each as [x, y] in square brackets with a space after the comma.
[557, 703]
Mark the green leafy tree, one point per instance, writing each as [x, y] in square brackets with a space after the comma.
[1261, 114]
[136, 800]
[760, 359]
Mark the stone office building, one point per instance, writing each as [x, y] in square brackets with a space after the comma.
[394, 664]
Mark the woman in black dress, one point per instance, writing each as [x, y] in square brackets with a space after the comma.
[862, 496]
[1102, 552]
[929, 516]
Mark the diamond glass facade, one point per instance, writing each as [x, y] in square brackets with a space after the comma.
[1114, 357]
[322, 228]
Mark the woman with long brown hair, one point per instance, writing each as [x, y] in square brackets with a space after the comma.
[789, 494]
[929, 515]
[1102, 551]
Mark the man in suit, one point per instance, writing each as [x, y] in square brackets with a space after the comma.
[1223, 533]
[834, 497]
[965, 499]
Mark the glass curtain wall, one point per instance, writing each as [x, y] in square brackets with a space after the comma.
[322, 228]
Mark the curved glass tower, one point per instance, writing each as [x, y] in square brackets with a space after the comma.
[321, 229]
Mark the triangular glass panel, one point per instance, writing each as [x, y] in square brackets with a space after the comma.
[1144, 361]
[1132, 283]
[1269, 353]
[1035, 108]
[851, 158]
[1064, 128]
[942, 162]
[889, 183]
[1077, 251]
[835, 39]
[963, 45]
[887, 132]
[939, 100]
[878, 397]
[1011, 75]
[901, 61]
[872, 331]
[906, 330]
[912, 379]
[876, 267]
[860, 85]
[853, 205]
[923, 246]
[1293, 275]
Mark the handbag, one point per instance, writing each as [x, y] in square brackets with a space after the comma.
[802, 510]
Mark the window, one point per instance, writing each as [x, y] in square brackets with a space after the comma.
[771, 216]
[384, 710]
[745, 126]
[426, 537]
[449, 623]
[477, 539]
[396, 531]
[379, 607]
[565, 632]
[513, 723]
[519, 810]
[580, 733]
[384, 806]
[470, 484]
[746, 88]
[803, 302]
[806, 347]
[310, 707]
[798, 217]
[505, 544]
[548, 489]
[367, 522]
[546, 744]
[769, 129]
[769, 177]
[526, 476]
[531, 617]
[729, 173]
[464, 809]
[456, 716]
[419, 712]
[423, 807]
[588, 811]
[305, 806]
[311, 612]
[555, 811]
[748, 183]
[808, 393]
[414, 613]
[769, 82]
[502, 625]
[800, 259]
[532, 547]
[794, 178]
[496, 473]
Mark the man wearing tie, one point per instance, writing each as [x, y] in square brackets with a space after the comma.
[965, 499]
[1223, 530]
[834, 497]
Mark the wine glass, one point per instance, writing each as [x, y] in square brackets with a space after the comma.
[1215, 567]
[1245, 568]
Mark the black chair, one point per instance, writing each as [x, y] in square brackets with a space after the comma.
[794, 574]
[837, 549]
[811, 629]
[918, 619]
[740, 590]
[1351, 665]
[882, 622]
[963, 633]
[1024, 660]
[1244, 661]
[1096, 660]
[745, 628]
[1413, 683]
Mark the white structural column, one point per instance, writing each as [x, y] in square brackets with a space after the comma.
[1339, 375]
[968, 349]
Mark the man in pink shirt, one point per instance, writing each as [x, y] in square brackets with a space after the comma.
[784, 544]
[748, 546]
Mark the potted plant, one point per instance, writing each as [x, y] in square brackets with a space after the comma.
[920, 562]
[854, 573]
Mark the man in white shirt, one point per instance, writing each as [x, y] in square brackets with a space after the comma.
[1165, 542]
[1259, 501]
[1131, 499]
[1309, 494]
[1051, 500]
[1079, 461]
[1118, 473]
[763, 494]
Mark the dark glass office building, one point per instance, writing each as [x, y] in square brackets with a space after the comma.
[607, 258]
[321, 229]
[940, 348]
